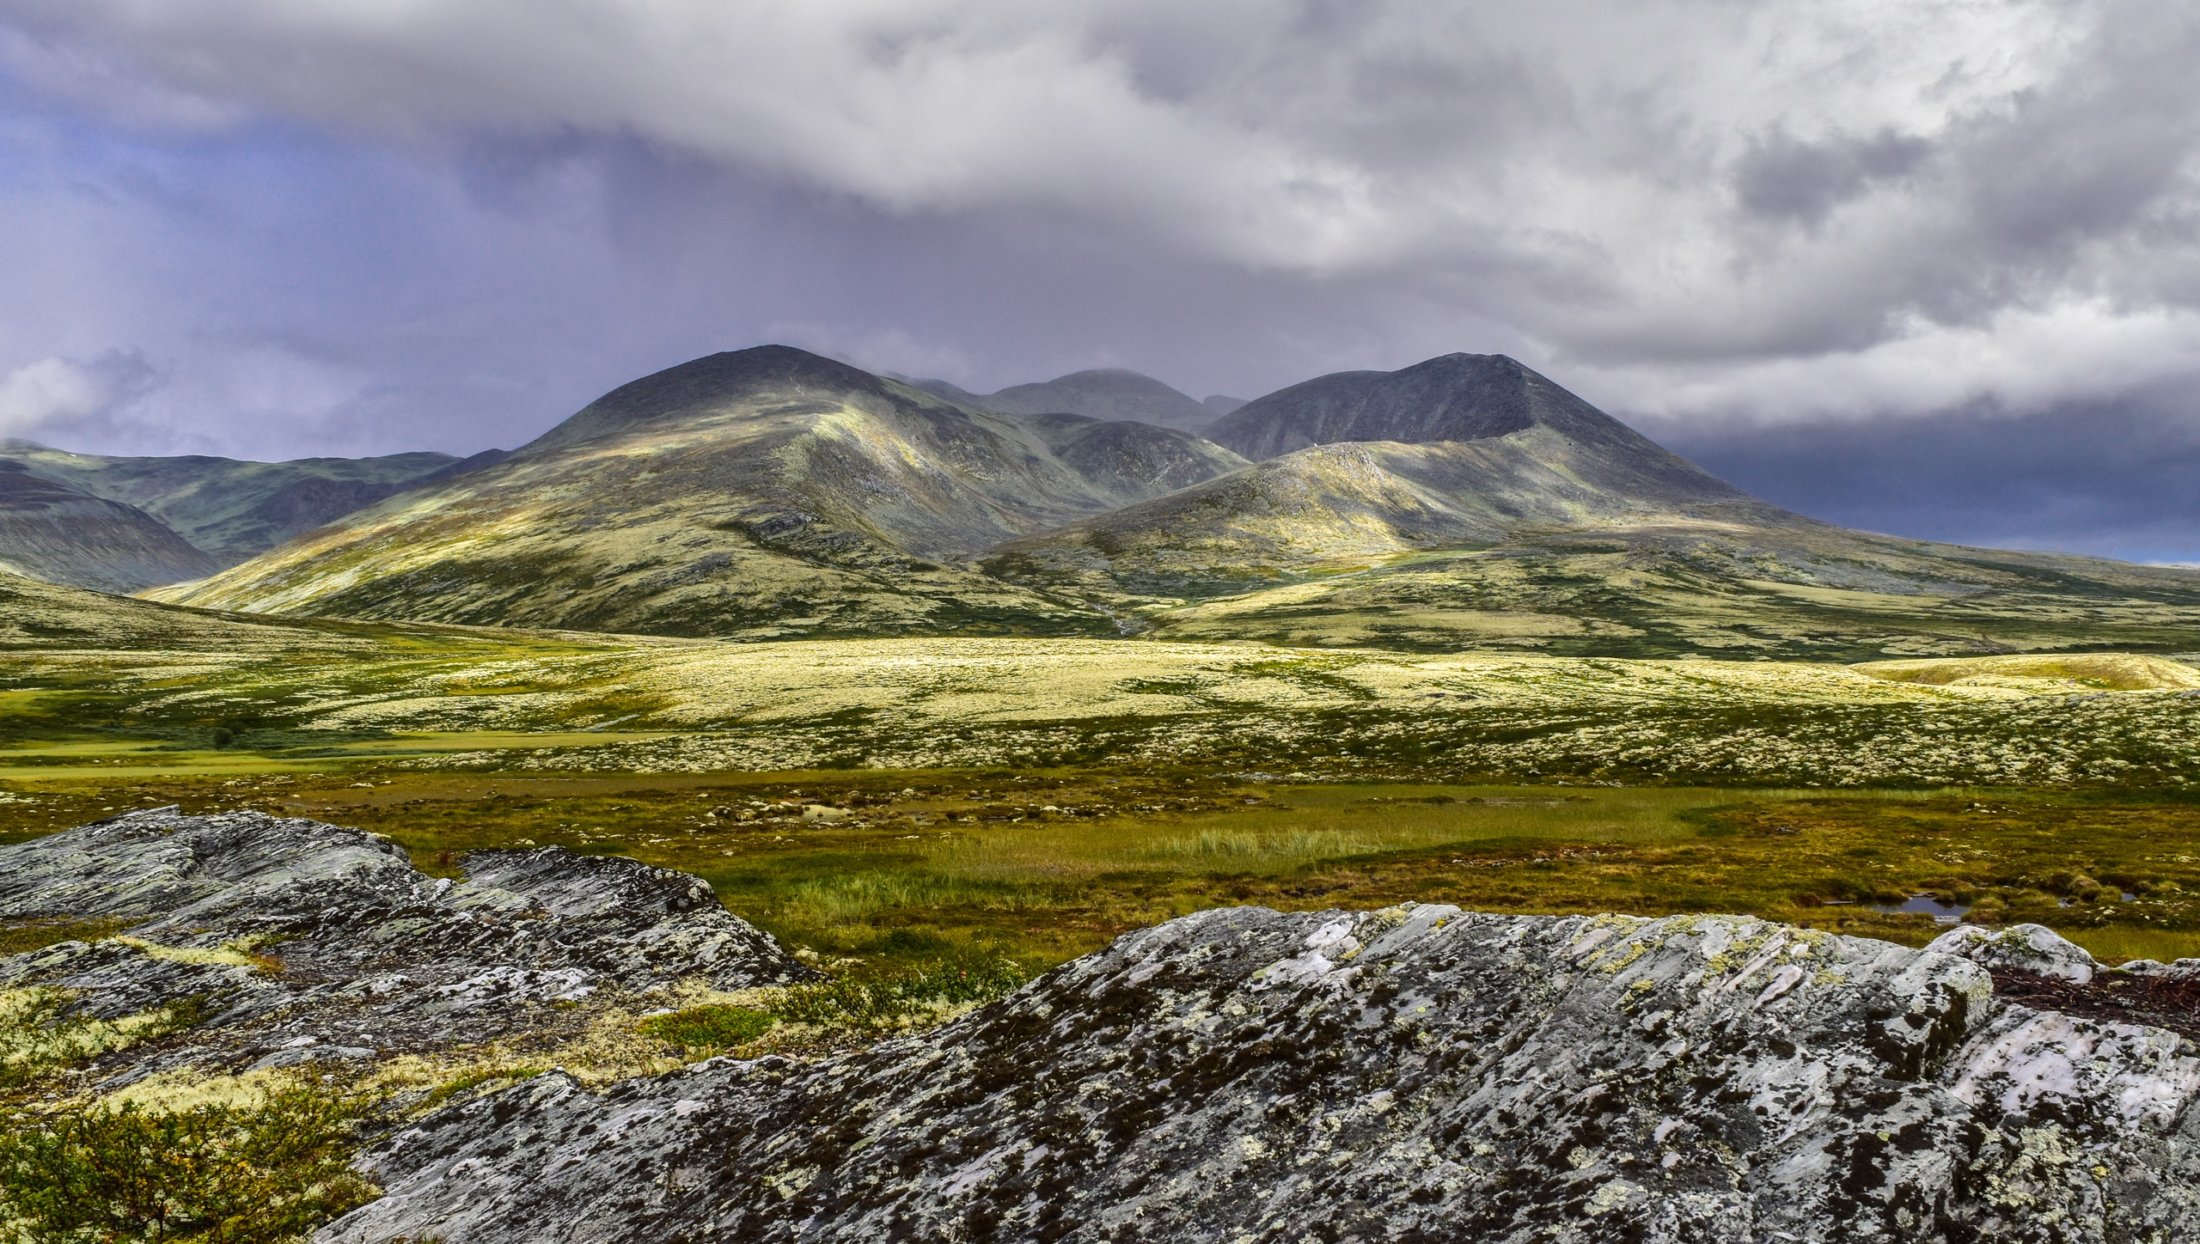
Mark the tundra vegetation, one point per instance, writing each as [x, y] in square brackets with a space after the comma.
[933, 821]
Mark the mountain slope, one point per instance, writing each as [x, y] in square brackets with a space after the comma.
[231, 509]
[61, 534]
[759, 492]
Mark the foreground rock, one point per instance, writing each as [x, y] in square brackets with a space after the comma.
[1419, 1073]
[305, 941]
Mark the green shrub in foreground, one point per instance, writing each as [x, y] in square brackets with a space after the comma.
[212, 1174]
[709, 1029]
[870, 1003]
[840, 1008]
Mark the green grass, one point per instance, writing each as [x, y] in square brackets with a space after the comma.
[939, 862]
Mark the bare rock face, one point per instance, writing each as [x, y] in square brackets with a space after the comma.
[1419, 1073]
[309, 941]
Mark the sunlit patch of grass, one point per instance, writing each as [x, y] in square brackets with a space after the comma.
[23, 936]
[2116, 944]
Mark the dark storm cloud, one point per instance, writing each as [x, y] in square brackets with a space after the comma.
[353, 225]
[2121, 480]
[1784, 177]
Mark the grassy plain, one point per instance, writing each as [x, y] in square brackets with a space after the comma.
[916, 814]
[891, 801]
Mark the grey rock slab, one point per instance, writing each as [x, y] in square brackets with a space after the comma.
[2031, 948]
[1419, 1073]
[361, 950]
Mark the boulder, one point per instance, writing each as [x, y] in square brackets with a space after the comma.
[1418, 1073]
[305, 940]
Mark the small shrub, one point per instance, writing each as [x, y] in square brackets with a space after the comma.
[217, 1174]
[874, 1003]
[701, 1031]
[22, 936]
[38, 1034]
[466, 1083]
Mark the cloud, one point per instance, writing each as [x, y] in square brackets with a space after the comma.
[382, 224]
[60, 394]
[2111, 479]
[1607, 170]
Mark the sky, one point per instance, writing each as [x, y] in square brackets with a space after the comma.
[1924, 266]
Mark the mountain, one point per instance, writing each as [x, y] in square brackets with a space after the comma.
[1463, 450]
[51, 531]
[1105, 393]
[1469, 501]
[760, 492]
[231, 510]
[1454, 397]
[1463, 502]
[1221, 404]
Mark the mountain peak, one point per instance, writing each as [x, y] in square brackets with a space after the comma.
[709, 383]
[1452, 397]
[1112, 393]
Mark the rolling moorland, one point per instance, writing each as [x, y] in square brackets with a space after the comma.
[941, 695]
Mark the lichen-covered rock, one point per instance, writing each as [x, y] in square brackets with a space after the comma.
[1412, 1074]
[307, 940]
[2031, 948]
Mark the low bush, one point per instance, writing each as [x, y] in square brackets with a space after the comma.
[213, 1174]
[891, 1001]
[713, 1028]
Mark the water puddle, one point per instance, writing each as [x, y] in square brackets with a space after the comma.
[1941, 911]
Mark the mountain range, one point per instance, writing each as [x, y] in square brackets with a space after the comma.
[759, 493]
[1463, 501]
[123, 523]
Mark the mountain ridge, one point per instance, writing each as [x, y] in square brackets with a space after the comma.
[1114, 394]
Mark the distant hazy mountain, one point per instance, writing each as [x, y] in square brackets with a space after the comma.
[765, 491]
[1104, 393]
[229, 509]
[51, 531]
[1221, 404]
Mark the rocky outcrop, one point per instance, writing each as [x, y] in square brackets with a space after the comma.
[306, 941]
[1420, 1073]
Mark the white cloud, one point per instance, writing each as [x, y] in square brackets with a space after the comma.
[1786, 206]
[2020, 361]
[55, 394]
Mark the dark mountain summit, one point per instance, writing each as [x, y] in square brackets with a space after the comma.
[1456, 397]
[711, 384]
